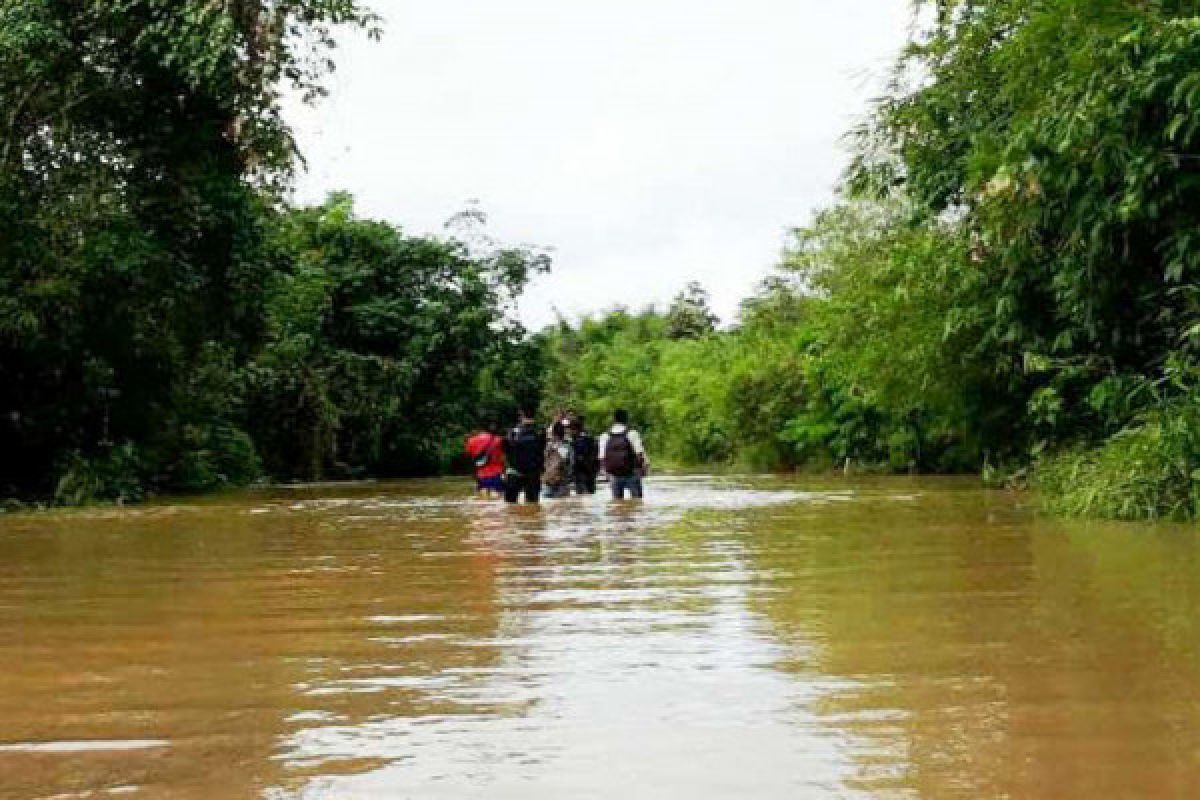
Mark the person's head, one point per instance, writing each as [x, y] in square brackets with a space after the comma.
[524, 416]
[621, 416]
[558, 430]
[578, 423]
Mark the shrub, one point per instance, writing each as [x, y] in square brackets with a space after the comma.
[1148, 471]
[216, 457]
[114, 475]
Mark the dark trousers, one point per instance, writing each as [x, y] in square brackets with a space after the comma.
[585, 483]
[626, 483]
[515, 485]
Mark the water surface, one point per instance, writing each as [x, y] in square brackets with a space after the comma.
[729, 638]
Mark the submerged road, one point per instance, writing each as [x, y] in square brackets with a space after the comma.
[730, 638]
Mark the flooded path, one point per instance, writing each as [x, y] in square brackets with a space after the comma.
[731, 638]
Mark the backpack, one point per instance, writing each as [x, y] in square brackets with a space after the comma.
[619, 456]
[558, 463]
[524, 450]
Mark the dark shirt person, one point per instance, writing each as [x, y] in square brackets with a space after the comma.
[525, 454]
[587, 456]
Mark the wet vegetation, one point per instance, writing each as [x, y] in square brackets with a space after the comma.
[1010, 281]
[167, 321]
[1007, 283]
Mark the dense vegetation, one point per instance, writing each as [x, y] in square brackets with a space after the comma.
[790, 386]
[1011, 278]
[166, 321]
[1008, 281]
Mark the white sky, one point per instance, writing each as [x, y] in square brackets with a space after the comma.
[649, 142]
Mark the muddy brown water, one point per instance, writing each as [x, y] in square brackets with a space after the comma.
[729, 638]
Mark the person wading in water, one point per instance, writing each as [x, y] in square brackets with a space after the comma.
[525, 452]
[559, 464]
[486, 450]
[623, 457]
[587, 455]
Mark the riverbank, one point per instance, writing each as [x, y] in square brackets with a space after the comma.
[785, 390]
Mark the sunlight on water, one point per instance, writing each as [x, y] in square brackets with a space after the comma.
[731, 637]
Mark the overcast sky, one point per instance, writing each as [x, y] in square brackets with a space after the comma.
[649, 142]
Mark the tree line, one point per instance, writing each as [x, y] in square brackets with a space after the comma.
[1007, 283]
[168, 322]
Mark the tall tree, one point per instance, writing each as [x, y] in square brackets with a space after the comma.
[382, 348]
[1063, 136]
[141, 144]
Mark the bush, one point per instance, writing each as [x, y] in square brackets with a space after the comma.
[216, 457]
[1150, 471]
[116, 475]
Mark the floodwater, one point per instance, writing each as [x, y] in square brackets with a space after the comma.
[729, 638]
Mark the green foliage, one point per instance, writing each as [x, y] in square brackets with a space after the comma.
[165, 322]
[1055, 142]
[777, 391]
[116, 474]
[141, 144]
[1011, 274]
[604, 364]
[693, 423]
[896, 340]
[1148, 471]
[380, 346]
[690, 316]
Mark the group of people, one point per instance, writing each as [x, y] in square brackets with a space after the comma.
[533, 462]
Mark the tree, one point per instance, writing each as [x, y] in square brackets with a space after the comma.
[1059, 137]
[141, 146]
[690, 316]
[383, 349]
[1059, 134]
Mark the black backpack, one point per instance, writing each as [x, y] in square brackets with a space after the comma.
[620, 459]
[524, 450]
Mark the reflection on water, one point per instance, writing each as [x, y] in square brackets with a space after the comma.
[729, 638]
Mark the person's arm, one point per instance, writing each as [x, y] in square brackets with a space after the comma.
[635, 439]
[601, 447]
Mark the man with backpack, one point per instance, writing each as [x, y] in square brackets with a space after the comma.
[525, 452]
[623, 457]
[587, 455]
[486, 451]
